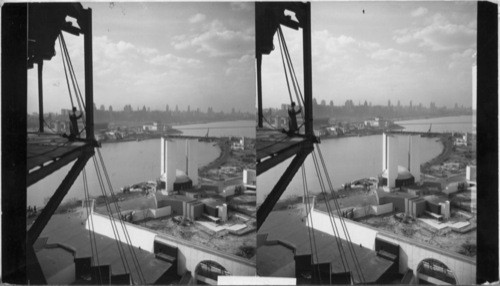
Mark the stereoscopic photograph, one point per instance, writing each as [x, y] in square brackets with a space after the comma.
[250, 143]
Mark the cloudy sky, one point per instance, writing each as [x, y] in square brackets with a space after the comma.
[420, 51]
[154, 54]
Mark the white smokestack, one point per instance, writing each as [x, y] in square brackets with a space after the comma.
[384, 151]
[162, 157]
[415, 157]
[392, 161]
[170, 163]
[192, 160]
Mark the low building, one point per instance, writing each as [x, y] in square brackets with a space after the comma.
[445, 209]
[415, 207]
[473, 199]
[181, 205]
[222, 212]
[211, 206]
[378, 122]
[470, 174]
[238, 145]
[397, 199]
[250, 179]
[460, 139]
[460, 142]
[176, 202]
[434, 205]
[193, 210]
[151, 127]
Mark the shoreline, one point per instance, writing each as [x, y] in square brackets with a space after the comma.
[224, 155]
[445, 154]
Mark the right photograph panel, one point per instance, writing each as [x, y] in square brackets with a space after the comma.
[366, 142]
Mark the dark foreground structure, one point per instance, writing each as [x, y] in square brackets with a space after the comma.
[284, 251]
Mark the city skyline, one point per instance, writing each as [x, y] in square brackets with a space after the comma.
[153, 54]
[380, 51]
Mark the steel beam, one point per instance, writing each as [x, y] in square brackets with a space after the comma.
[263, 166]
[57, 197]
[306, 46]
[259, 89]
[89, 80]
[273, 197]
[43, 172]
[40, 96]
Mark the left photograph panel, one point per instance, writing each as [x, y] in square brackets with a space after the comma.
[140, 159]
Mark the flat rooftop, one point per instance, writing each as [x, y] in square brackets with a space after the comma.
[286, 231]
[69, 230]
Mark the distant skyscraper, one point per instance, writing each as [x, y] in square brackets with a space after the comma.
[433, 105]
[389, 103]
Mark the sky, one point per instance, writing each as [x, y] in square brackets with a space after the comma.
[418, 51]
[153, 54]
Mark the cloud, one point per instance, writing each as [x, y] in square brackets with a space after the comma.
[397, 56]
[242, 6]
[439, 35]
[420, 11]
[173, 61]
[121, 50]
[244, 66]
[329, 50]
[217, 40]
[135, 69]
[197, 18]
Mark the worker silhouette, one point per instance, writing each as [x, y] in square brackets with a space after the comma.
[73, 127]
[292, 121]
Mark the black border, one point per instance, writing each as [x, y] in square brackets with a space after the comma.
[487, 142]
[14, 103]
